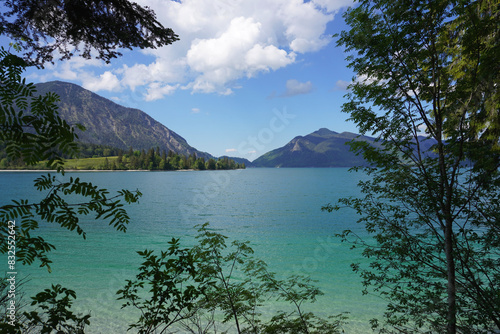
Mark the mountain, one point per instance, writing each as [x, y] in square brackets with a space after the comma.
[108, 123]
[322, 148]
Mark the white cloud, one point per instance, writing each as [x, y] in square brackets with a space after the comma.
[368, 80]
[260, 58]
[156, 91]
[221, 41]
[304, 25]
[332, 5]
[215, 53]
[164, 69]
[342, 85]
[231, 150]
[363, 78]
[106, 81]
[295, 87]
[237, 52]
[195, 110]
[72, 70]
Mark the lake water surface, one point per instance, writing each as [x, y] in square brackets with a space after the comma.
[277, 210]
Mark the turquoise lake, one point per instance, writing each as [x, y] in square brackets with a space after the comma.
[277, 210]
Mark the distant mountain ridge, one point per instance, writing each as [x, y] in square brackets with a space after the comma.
[326, 148]
[108, 123]
[322, 148]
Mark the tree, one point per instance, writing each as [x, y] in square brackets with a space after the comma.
[428, 76]
[199, 164]
[211, 164]
[212, 282]
[32, 131]
[175, 286]
[119, 159]
[55, 304]
[31, 128]
[44, 28]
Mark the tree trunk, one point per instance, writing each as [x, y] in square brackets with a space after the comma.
[451, 317]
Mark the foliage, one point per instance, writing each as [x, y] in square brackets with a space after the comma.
[86, 150]
[175, 286]
[12, 321]
[55, 304]
[31, 129]
[154, 160]
[100, 157]
[282, 323]
[53, 312]
[213, 285]
[54, 208]
[44, 28]
[428, 72]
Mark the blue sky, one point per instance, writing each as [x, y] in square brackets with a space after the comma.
[245, 78]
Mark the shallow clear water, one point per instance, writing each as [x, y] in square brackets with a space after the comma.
[277, 210]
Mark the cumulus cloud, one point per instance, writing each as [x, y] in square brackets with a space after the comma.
[221, 41]
[261, 58]
[295, 87]
[72, 69]
[156, 91]
[106, 81]
[236, 53]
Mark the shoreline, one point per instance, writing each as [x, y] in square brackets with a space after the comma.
[70, 170]
[109, 170]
